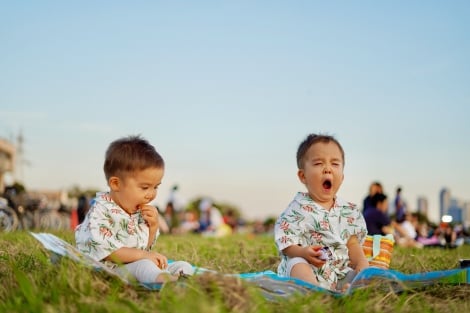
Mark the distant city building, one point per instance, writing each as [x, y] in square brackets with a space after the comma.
[444, 202]
[458, 209]
[466, 214]
[455, 211]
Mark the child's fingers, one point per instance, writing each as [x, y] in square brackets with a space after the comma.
[163, 263]
[148, 212]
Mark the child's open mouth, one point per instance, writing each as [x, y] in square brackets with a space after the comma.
[327, 184]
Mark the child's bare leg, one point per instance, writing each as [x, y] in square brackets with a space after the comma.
[304, 272]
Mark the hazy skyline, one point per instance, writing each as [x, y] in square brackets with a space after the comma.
[227, 90]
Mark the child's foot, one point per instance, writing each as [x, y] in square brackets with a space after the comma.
[180, 268]
[345, 287]
[183, 275]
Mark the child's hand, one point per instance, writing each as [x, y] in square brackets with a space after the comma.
[159, 259]
[313, 255]
[150, 215]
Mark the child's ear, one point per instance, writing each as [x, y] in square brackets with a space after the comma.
[114, 183]
[301, 175]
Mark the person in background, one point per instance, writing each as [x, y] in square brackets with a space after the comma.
[400, 206]
[450, 236]
[319, 218]
[406, 232]
[174, 210]
[211, 222]
[175, 197]
[121, 228]
[374, 188]
[171, 218]
[427, 236]
[377, 220]
[190, 223]
[230, 219]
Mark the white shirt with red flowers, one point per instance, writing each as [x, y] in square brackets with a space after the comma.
[107, 227]
[306, 223]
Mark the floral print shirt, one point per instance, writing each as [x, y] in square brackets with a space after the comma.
[306, 223]
[107, 227]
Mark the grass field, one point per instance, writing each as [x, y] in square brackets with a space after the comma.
[31, 283]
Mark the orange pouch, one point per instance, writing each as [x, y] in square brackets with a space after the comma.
[378, 250]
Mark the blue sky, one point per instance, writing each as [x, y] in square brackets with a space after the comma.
[226, 90]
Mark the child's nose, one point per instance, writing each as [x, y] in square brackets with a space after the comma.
[151, 194]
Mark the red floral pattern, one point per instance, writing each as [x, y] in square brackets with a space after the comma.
[306, 223]
[107, 228]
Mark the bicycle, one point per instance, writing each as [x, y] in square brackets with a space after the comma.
[8, 217]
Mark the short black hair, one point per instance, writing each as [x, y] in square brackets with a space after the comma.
[378, 198]
[129, 154]
[313, 139]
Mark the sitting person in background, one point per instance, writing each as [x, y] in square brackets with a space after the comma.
[377, 220]
[190, 224]
[406, 232]
[374, 188]
[211, 221]
[427, 236]
[379, 223]
[450, 236]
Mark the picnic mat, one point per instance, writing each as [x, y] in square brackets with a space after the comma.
[271, 285]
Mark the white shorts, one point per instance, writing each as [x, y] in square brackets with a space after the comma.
[294, 261]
